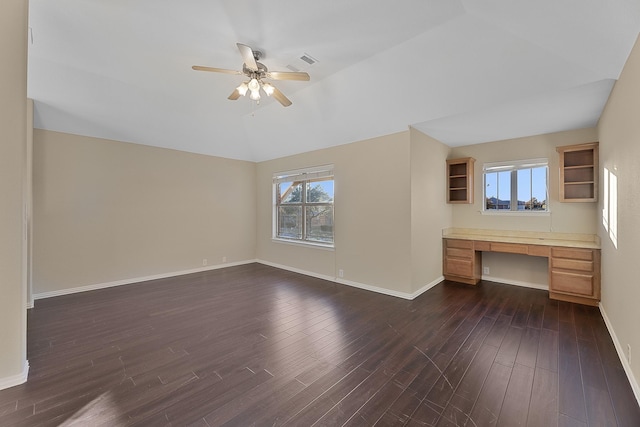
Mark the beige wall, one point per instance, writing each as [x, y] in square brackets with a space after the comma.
[372, 212]
[13, 125]
[28, 192]
[389, 213]
[107, 211]
[563, 217]
[619, 133]
[429, 212]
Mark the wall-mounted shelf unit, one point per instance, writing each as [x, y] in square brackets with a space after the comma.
[579, 172]
[460, 180]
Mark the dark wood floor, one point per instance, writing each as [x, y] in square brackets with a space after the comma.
[254, 345]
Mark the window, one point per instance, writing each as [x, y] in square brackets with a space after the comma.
[518, 186]
[610, 205]
[304, 206]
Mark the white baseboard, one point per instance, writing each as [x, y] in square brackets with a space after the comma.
[15, 380]
[296, 270]
[621, 355]
[377, 289]
[404, 295]
[136, 280]
[515, 283]
[390, 292]
[426, 287]
[358, 285]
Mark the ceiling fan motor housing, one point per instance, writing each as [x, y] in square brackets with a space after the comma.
[259, 74]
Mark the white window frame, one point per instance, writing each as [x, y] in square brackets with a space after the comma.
[513, 167]
[302, 175]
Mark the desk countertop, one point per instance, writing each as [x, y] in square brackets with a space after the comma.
[571, 240]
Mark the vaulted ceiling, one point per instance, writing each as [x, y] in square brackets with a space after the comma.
[461, 71]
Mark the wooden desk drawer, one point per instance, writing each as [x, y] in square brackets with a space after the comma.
[579, 284]
[460, 253]
[572, 264]
[482, 246]
[511, 248]
[460, 244]
[572, 253]
[535, 250]
[459, 267]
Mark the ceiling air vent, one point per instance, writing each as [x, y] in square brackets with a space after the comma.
[301, 62]
[309, 60]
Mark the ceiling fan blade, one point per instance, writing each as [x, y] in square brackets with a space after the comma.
[215, 70]
[288, 75]
[247, 56]
[234, 95]
[279, 96]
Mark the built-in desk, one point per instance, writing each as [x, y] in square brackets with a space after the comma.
[574, 259]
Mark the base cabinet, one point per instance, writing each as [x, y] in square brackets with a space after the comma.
[461, 262]
[574, 275]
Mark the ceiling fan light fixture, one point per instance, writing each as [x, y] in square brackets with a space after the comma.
[255, 95]
[254, 86]
[243, 88]
[268, 88]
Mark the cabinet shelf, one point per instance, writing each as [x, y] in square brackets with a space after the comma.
[578, 172]
[578, 182]
[460, 180]
[589, 166]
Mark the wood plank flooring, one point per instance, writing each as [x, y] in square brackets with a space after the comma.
[255, 345]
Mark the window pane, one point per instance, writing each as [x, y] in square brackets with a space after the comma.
[491, 190]
[504, 190]
[290, 192]
[320, 191]
[290, 222]
[539, 188]
[530, 188]
[304, 207]
[524, 189]
[320, 223]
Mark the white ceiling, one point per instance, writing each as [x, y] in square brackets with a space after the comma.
[462, 71]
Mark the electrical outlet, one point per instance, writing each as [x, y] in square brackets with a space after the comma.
[341, 273]
[204, 261]
[485, 270]
[224, 259]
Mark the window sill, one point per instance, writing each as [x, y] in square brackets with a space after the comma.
[321, 246]
[515, 213]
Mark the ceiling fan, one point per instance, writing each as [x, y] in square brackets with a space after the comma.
[256, 72]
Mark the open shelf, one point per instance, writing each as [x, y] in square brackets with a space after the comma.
[579, 172]
[460, 180]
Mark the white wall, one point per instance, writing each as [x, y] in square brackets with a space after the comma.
[619, 133]
[13, 134]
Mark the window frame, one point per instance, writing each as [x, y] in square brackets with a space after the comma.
[513, 167]
[304, 177]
